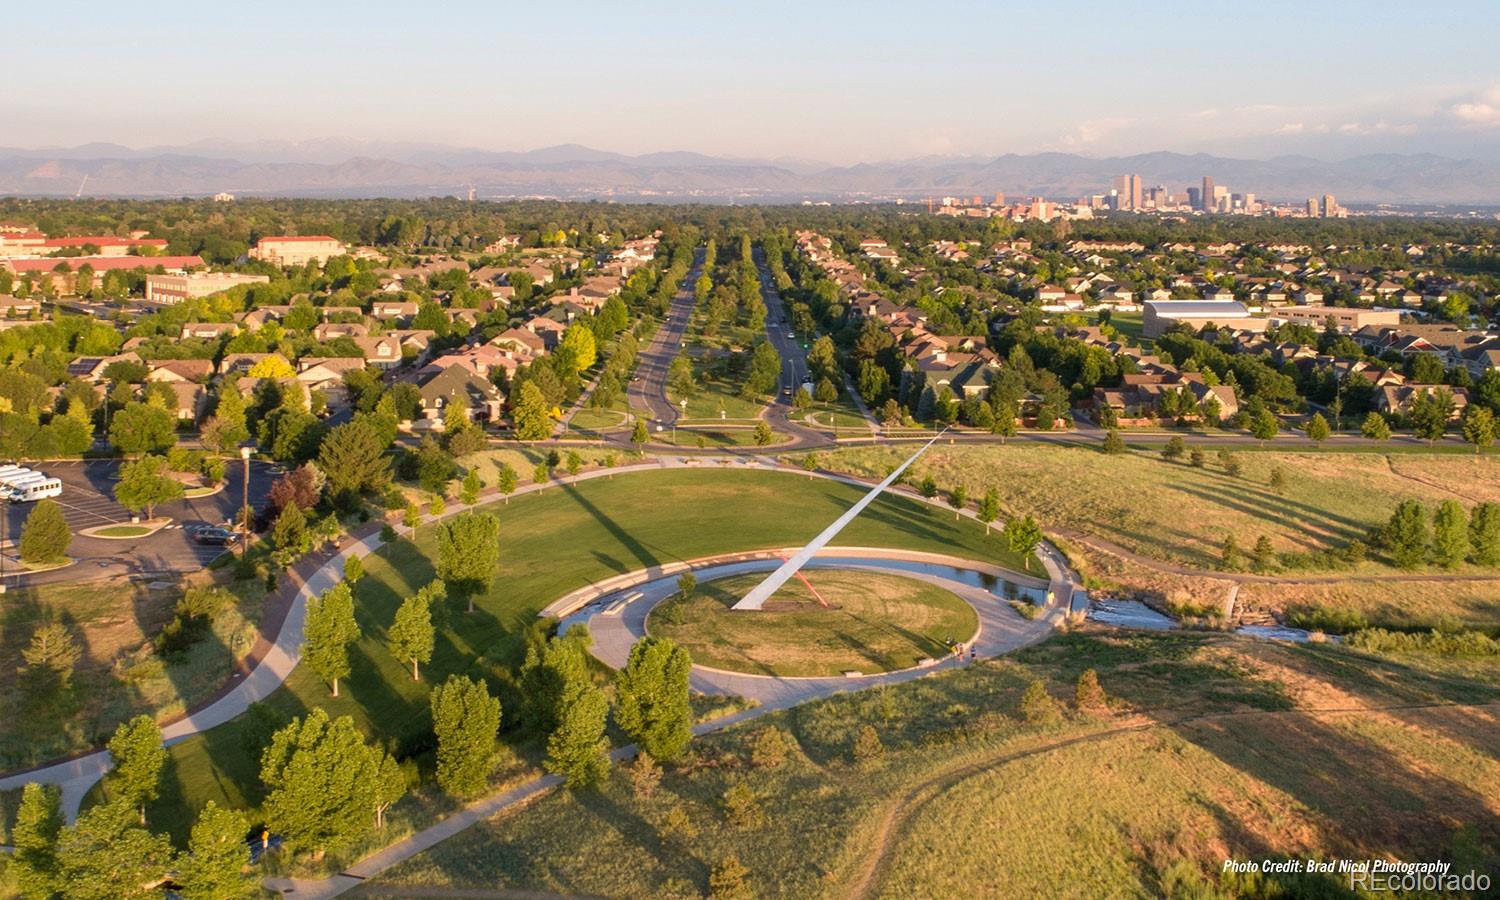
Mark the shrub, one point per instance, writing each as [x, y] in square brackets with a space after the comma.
[768, 748]
[1462, 643]
[677, 823]
[1037, 706]
[741, 808]
[867, 744]
[1328, 619]
[729, 880]
[1088, 694]
[645, 776]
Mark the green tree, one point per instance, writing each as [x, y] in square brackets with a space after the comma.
[434, 466]
[39, 822]
[1479, 427]
[1233, 559]
[1114, 445]
[1375, 427]
[353, 456]
[229, 414]
[578, 341]
[217, 863]
[469, 495]
[1264, 554]
[468, 552]
[329, 630]
[138, 755]
[506, 480]
[45, 536]
[762, 433]
[411, 635]
[1264, 425]
[321, 782]
[638, 435]
[989, 508]
[142, 428]
[1450, 534]
[465, 719]
[1407, 534]
[1430, 412]
[958, 498]
[107, 856]
[52, 651]
[530, 414]
[543, 676]
[1174, 450]
[145, 483]
[1484, 534]
[575, 748]
[289, 534]
[651, 698]
[1023, 535]
[1317, 428]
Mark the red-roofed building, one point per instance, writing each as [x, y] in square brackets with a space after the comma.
[296, 250]
[99, 263]
[108, 245]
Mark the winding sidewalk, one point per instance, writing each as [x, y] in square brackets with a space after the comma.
[1001, 631]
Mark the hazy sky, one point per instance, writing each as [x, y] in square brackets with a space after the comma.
[837, 81]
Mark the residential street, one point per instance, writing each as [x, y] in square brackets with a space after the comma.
[648, 389]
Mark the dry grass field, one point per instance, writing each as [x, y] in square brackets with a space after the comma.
[1212, 747]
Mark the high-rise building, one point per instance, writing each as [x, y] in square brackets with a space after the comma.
[999, 199]
[1330, 206]
[1195, 198]
[1206, 195]
[1127, 192]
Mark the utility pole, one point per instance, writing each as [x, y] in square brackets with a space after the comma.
[245, 506]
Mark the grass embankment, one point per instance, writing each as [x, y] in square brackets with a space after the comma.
[552, 542]
[119, 674]
[1177, 513]
[874, 623]
[1214, 747]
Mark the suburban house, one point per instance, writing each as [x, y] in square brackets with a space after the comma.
[438, 388]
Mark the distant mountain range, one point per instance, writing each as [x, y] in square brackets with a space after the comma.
[346, 168]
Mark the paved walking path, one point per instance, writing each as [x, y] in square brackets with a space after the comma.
[1001, 630]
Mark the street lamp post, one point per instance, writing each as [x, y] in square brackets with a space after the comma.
[245, 505]
[4, 521]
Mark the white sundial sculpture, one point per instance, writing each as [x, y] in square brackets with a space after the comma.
[762, 592]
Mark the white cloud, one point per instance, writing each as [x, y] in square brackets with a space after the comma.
[1481, 109]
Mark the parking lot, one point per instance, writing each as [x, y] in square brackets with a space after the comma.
[88, 501]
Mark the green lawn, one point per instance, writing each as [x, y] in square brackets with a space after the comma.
[121, 531]
[1213, 747]
[873, 623]
[553, 542]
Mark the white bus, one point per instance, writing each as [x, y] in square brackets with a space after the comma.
[38, 489]
[7, 473]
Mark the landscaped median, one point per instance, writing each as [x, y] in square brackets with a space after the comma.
[122, 531]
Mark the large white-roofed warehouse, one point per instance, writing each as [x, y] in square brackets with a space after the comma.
[1161, 315]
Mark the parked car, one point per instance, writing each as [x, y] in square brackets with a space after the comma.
[214, 535]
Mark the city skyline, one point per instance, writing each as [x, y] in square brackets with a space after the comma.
[839, 86]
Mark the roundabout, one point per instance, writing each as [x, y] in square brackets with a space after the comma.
[761, 656]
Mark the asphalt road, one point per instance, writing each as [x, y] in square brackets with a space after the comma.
[648, 390]
[780, 414]
[88, 501]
